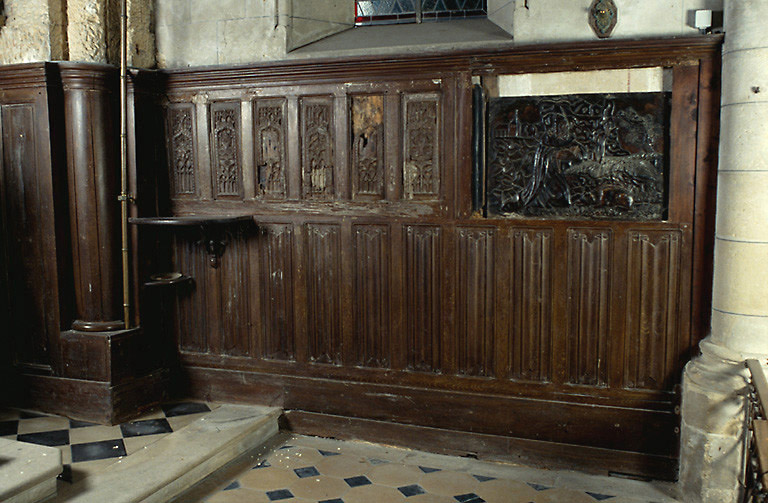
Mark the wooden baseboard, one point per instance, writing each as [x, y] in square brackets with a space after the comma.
[93, 401]
[583, 436]
[534, 453]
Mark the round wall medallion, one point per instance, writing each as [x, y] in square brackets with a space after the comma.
[603, 15]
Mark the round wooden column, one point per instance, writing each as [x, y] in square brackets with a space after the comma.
[92, 128]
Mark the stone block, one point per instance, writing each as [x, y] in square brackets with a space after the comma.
[25, 37]
[741, 278]
[649, 80]
[744, 137]
[172, 12]
[745, 77]
[205, 10]
[749, 28]
[194, 44]
[260, 8]
[250, 40]
[742, 208]
[744, 334]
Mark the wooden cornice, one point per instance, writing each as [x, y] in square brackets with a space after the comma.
[23, 75]
[524, 59]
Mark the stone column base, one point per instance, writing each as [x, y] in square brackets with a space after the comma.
[713, 426]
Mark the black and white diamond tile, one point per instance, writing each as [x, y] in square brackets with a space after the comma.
[310, 470]
[86, 446]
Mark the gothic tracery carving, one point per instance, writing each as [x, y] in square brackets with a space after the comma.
[270, 147]
[368, 145]
[182, 150]
[421, 176]
[225, 149]
[317, 148]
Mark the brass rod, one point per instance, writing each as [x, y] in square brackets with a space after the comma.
[124, 160]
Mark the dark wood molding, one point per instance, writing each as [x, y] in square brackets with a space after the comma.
[625, 436]
[519, 451]
[93, 401]
[24, 76]
[523, 59]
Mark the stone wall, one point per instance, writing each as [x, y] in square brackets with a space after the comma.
[76, 30]
[26, 36]
[537, 21]
[199, 32]
[94, 32]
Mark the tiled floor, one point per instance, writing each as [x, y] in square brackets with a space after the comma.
[307, 469]
[88, 447]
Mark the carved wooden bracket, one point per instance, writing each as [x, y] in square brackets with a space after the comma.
[211, 230]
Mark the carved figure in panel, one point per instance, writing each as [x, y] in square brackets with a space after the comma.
[368, 145]
[578, 156]
[270, 147]
[225, 149]
[182, 154]
[317, 148]
[421, 174]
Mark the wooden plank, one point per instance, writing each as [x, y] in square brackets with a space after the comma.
[704, 205]
[683, 129]
[760, 430]
[533, 453]
[760, 383]
[607, 427]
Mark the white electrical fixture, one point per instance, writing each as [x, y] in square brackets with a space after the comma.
[703, 20]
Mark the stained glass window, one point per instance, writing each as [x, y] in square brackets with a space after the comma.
[368, 12]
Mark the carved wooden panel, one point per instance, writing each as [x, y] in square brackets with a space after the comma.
[421, 145]
[324, 292]
[226, 171]
[589, 304]
[475, 296]
[368, 145]
[317, 152]
[652, 318]
[234, 275]
[192, 321]
[275, 249]
[371, 294]
[270, 146]
[423, 267]
[181, 149]
[22, 233]
[531, 304]
[578, 155]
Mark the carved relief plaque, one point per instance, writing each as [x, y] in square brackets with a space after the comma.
[225, 149]
[317, 138]
[270, 146]
[421, 169]
[368, 145]
[181, 147]
[601, 155]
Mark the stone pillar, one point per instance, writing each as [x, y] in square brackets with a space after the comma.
[94, 32]
[715, 383]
